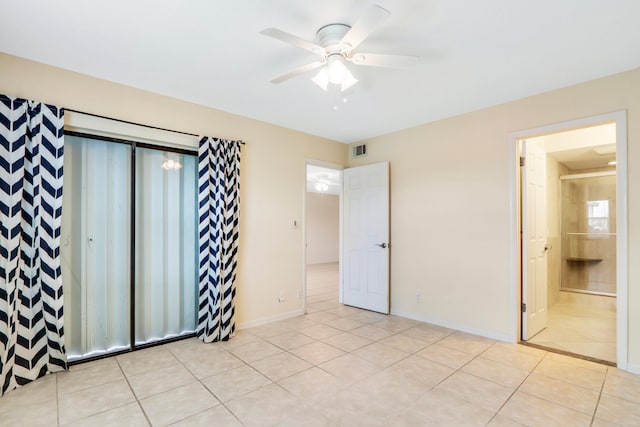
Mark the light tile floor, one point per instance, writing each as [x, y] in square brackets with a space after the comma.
[336, 366]
[582, 329]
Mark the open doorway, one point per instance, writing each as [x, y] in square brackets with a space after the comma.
[322, 231]
[569, 253]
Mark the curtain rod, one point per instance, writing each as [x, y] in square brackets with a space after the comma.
[137, 124]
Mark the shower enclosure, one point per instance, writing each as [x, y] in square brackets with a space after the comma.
[588, 212]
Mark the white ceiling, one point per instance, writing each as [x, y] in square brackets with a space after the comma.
[473, 53]
[583, 149]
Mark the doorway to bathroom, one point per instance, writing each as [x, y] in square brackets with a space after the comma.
[569, 248]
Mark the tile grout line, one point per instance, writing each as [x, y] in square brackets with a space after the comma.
[212, 393]
[135, 396]
[595, 410]
[516, 389]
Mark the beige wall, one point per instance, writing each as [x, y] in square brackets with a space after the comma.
[450, 196]
[323, 228]
[272, 171]
[450, 205]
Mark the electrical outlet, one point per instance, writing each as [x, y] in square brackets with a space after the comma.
[281, 297]
[299, 293]
[418, 297]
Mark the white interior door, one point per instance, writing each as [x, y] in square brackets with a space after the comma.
[534, 238]
[366, 237]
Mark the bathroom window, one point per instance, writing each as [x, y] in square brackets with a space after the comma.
[598, 216]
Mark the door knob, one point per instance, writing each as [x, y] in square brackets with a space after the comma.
[382, 245]
[547, 247]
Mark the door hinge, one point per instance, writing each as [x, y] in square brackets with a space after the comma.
[523, 307]
[522, 161]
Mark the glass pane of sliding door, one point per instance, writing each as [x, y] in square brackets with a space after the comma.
[95, 246]
[166, 245]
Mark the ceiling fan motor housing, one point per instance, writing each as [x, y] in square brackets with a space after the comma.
[330, 36]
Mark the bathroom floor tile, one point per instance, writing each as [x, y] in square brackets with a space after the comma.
[582, 329]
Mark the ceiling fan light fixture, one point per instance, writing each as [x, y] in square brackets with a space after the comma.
[171, 164]
[322, 79]
[336, 70]
[321, 186]
[348, 81]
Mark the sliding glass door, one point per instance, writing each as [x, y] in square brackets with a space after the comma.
[166, 244]
[120, 199]
[95, 249]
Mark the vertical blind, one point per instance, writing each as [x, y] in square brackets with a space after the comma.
[97, 245]
[166, 295]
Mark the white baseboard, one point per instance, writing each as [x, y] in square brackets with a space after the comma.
[634, 368]
[487, 334]
[269, 319]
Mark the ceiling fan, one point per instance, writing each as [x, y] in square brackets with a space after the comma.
[336, 45]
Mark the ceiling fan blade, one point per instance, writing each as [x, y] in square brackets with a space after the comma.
[380, 60]
[298, 71]
[293, 40]
[373, 18]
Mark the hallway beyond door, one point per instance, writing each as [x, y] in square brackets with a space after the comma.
[323, 284]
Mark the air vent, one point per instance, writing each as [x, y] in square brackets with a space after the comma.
[359, 151]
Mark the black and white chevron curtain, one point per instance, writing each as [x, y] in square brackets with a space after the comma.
[219, 214]
[31, 315]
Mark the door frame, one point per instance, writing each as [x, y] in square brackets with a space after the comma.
[328, 165]
[622, 275]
